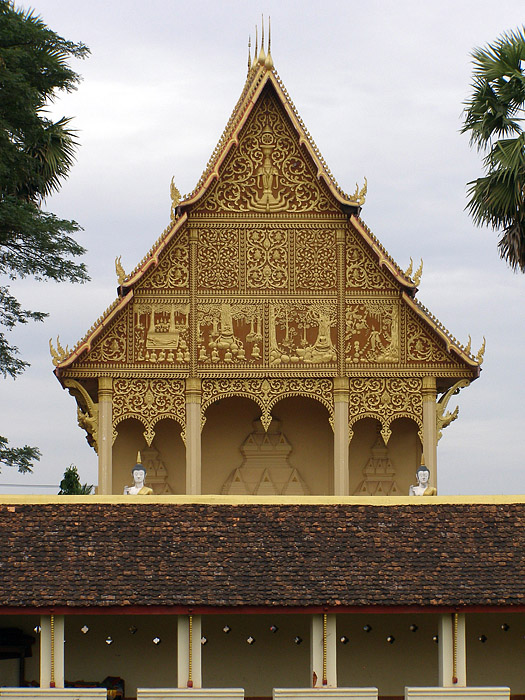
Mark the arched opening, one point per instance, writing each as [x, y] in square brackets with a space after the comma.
[304, 424]
[164, 459]
[228, 424]
[405, 449]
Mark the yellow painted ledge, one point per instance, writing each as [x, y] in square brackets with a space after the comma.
[266, 500]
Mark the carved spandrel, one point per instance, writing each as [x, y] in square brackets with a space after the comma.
[218, 258]
[161, 333]
[172, 271]
[148, 400]
[267, 172]
[422, 347]
[315, 259]
[372, 332]
[302, 333]
[385, 398]
[112, 346]
[362, 271]
[230, 333]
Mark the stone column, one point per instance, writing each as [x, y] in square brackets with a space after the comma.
[193, 436]
[105, 435]
[341, 475]
[452, 663]
[430, 427]
[52, 651]
[189, 674]
[318, 661]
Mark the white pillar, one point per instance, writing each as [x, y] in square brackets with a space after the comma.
[341, 476]
[189, 672]
[193, 436]
[430, 427]
[52, 651]
[105, 435]
[316, 651]
[448, 675]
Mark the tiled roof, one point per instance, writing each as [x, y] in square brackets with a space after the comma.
[162, 554]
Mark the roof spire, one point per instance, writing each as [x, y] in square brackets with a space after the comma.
[256, 46]
[268, 64]
[249, 53]
[262, 55]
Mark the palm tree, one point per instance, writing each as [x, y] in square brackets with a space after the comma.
[493, 116]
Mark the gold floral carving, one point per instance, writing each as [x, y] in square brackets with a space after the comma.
[149, 401]
[267, 258]
[302, 333]
[87, 411]
[372, 331]
[160, 332]
[267, 392]
[172, 271]
[267, 171]
[362, 271]
[385, 399]
[218, 258]
[315, 258]
[421, 347]
[230, 333]
[112, 346]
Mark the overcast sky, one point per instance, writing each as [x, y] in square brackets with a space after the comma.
[380, 86]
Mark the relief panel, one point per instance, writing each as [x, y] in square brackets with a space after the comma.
[230, 333]
[363, 272]
[172, 270]
[267, 258]
[372, 333]
[302, 333]
[218, 258]
[161, 332]
[267, 171]
[421, 347]
[315, 260]
[111, 347]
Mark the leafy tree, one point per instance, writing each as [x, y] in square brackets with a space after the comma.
[71, 486]
[493, 117]
[36, 154]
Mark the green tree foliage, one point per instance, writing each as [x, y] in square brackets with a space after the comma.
[493, 117]
[71, 486]
[36, 154]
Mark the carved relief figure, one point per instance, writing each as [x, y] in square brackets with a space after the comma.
[302, 333]
[161, 332]
[230, 333]
[422, 488]
[372, 332]
[139, 475]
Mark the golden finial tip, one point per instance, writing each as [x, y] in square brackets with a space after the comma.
[423, 460]
[139, 458]
[262, 55]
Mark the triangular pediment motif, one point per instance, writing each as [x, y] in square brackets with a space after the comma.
[268, 171]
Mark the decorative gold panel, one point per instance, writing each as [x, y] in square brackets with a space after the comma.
[160, 332]
[111, 347]
[267, 392]
[302, 333]
[362, 269]
[230, 333]
[315, 259]
[372, 331]
[218, 258]
[267, 171]
[172, 271]
[149, 401]
[421, 347]
[267, 258]
[385, 399]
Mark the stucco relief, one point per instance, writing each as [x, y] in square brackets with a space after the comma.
[302, 333]
[230, 333]
[372, 331]
[160, 332]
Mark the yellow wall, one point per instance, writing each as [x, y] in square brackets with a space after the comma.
[304, 422]
[274, 661]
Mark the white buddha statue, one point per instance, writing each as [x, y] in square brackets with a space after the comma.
[139, 476]
[423, 477]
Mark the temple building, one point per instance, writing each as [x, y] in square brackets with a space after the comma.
[271, 365]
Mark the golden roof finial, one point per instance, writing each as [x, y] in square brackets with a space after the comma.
[481, 351]
[262, 55]
[268, 63]
[256, 46]
[249, 53]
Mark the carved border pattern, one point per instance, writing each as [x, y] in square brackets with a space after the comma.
[385, 399]
[267, 392]
[149, 401]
